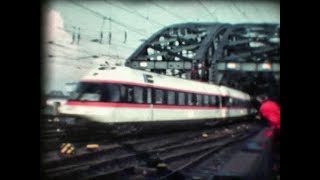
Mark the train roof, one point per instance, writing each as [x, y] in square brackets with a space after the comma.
[234, 92]
[132, 76]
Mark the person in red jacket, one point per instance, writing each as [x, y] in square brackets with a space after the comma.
[270, 111]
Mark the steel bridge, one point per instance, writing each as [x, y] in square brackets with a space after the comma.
[243, 56]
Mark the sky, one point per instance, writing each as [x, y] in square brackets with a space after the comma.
[68, 62]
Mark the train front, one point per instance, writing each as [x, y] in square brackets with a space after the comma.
[86, 106]
[86, 103]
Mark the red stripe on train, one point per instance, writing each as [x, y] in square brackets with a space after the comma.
[104, 104]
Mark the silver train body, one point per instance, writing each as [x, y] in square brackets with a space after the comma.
[120, 95]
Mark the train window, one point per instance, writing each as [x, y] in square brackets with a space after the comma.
[199, 100]
[245, 103]
[123, 93]
[242, 103]
[109, 92]
[158, 96]
[147, 95]
[248, 104]
[235, 102]
[181, 98]
[224, 100]
[206, 100]
[230, 102]
[90, 97]
[213, 100]
[129, 94]
[238, 103]
[138, 94]
[87, 92]
[171, 97]
[190, 99]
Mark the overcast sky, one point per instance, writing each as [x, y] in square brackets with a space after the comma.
[140, 19]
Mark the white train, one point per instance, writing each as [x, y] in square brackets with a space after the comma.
[117, 95]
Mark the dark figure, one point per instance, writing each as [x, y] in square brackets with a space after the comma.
[110, 38]
[101, 37]
[125, 37]
[73, 35]
[78, 36]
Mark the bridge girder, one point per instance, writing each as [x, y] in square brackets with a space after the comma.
[206, 51]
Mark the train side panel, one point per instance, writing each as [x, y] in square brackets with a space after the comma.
[121, 112]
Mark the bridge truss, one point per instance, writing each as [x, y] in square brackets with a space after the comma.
[243, 56]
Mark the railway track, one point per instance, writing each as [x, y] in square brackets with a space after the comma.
[161, 155]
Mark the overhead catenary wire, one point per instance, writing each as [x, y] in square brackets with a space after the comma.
[239, 10]
[173, 14]
[99, 15]
[135, 13]
[89, 54]
[207, 10]
[87, 57]
[257, 11]
[68, 49]
[68, 63]
[104, 34]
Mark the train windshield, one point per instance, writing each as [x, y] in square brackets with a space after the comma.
[96, 92]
